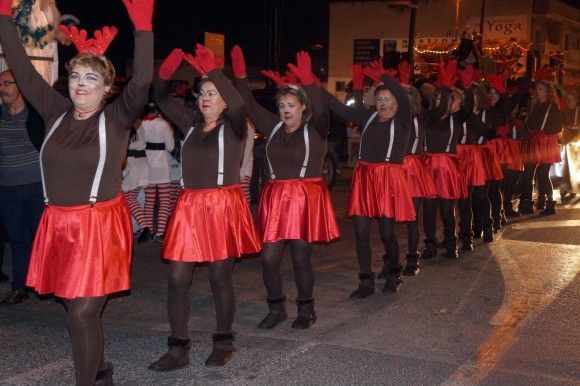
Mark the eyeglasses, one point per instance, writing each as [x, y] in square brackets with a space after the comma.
[209, 94]
[385, 99]
[7, 83]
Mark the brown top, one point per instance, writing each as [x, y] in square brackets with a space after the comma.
[71, 154]
[286, 151]
[199, 153]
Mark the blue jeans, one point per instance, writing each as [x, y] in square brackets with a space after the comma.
[21, 207]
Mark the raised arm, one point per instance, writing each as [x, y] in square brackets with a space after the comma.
[173, 109]
[466, 110]
[357, 115]
[404, 111]
[46, 100]
[233, 100]
[320, 117]
[130, 103]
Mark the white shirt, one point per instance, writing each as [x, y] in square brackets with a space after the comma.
[158, 130]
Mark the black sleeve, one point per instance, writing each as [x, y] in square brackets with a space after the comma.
[263, 119]
[181, 117]
[357, 115]
[320, 116]
[233, 100]
[404, 111]
[463, 114]
[437, 113]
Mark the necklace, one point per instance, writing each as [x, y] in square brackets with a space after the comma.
[290, 129]
[83, 114]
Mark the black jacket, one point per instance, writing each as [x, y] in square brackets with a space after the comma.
[34, 126]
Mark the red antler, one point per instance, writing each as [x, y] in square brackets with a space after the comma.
[97, 45]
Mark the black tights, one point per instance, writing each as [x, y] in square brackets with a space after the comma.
[220, 277]
[301, 262]
[362, 233]
[413, 227]
[542, 172]
[447, 213]
[474, 211]
[496, 200]
[84, 321]
[508, 184]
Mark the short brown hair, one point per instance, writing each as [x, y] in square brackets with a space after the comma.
[100, 64]
[299, 93]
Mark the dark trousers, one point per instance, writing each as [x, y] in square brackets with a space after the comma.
[447, 213]
[508, 184]
[474, 212]
[21, 207]
[542, 173]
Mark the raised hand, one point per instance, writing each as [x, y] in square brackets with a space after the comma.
[375, 70]
[303, 68]
[447, 73]
[290, 77]
[6, 7]
[404, 72]
[171, 64]
[466, 76]
[238, 62]
[544, 73]
[204, 60]
[497, 81]
[358, 77]
[141, 13]
[275, 76]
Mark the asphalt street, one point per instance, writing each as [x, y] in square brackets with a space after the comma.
[504, 314]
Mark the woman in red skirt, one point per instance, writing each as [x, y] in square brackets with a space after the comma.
[379, 186]
[295, 206]
[212, 221]
[541, 149]
[82, 250]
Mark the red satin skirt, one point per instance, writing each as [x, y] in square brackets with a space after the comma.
[542, 148]
[419, 177]
[491, 162]
[210, 225]
[380, 190]
[445, 171]
[297, 209]
[82, 251]
[513, 154]
[471, 164]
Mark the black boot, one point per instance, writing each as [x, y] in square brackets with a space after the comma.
[412, 268]
[176, 357]
[488, 235]
[451, 249]
[276, 314]
[502, 218]
[394, 279]
[305, 316]
[526, 207]
[550, 208]
[541, 203]
[430, 250]
[383, 273]
[366, 287]
[105, 376]
[145, 235]
[466, 241]
[477, 232]
[509, 211]
[223, 350]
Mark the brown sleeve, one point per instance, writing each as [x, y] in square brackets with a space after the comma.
[358, 115]
[320, 116]
[233, 100]
[48, 102]
[263, 119]
[127, 107]
[181, 117]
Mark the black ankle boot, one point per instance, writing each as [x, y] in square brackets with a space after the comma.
[383, 273]
[305, 317]
[105, 376]
[177, 356]
[223, 350]
[509, 211]
[145, 235]
[526, 207]
[430, 250]
[276, 314]
[466, 241]
[451, 249]
[366, 287]
[550, 208]
[477, 232]
[412, 268]
[394, 279]
[540, 203]
[502, 218]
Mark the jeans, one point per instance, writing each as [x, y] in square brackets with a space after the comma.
[21, 207]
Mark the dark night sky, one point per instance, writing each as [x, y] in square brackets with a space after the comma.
[181, 23]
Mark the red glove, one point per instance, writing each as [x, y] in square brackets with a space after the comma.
[502, 130]
[391, 72]
[204, 60]
[275, 76]
[238, 62]
[6, 7]
[171, 64]
[141, 13]
[518, 123]
[375, 70]
[358, 77]
[466, 76]
[219, 61]
[447, 73]
[544, 73]
[290, 77]
[404, 72]
[303, 68]
[497, 81]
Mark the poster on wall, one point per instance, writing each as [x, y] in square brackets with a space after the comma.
[365, 51]
[501, 27]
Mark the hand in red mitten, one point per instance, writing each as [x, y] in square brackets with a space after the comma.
[466, 76]
[290, 77]
[358, 77]
[404, 72]
[219, 61]
[274, 76]
[544, 73]
[238, 62]
[303, 68]
[6, 7]
[141, 13]
[502, 130]
[497, 82]
[204, 60]
[447, 73]
[375, 70]
[171, 64]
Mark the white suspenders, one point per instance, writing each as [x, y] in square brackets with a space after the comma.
[306, 155]
[221, 151]
[451, 129]
[391, 136]
[416, 141]
[480, 139]
[464, 137]
[100, 165]
[546, 117]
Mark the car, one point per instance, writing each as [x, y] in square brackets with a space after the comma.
[332, 164]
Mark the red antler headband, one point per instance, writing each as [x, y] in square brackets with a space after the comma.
[97, 45]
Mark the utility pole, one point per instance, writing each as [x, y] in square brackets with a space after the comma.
[411, 44]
